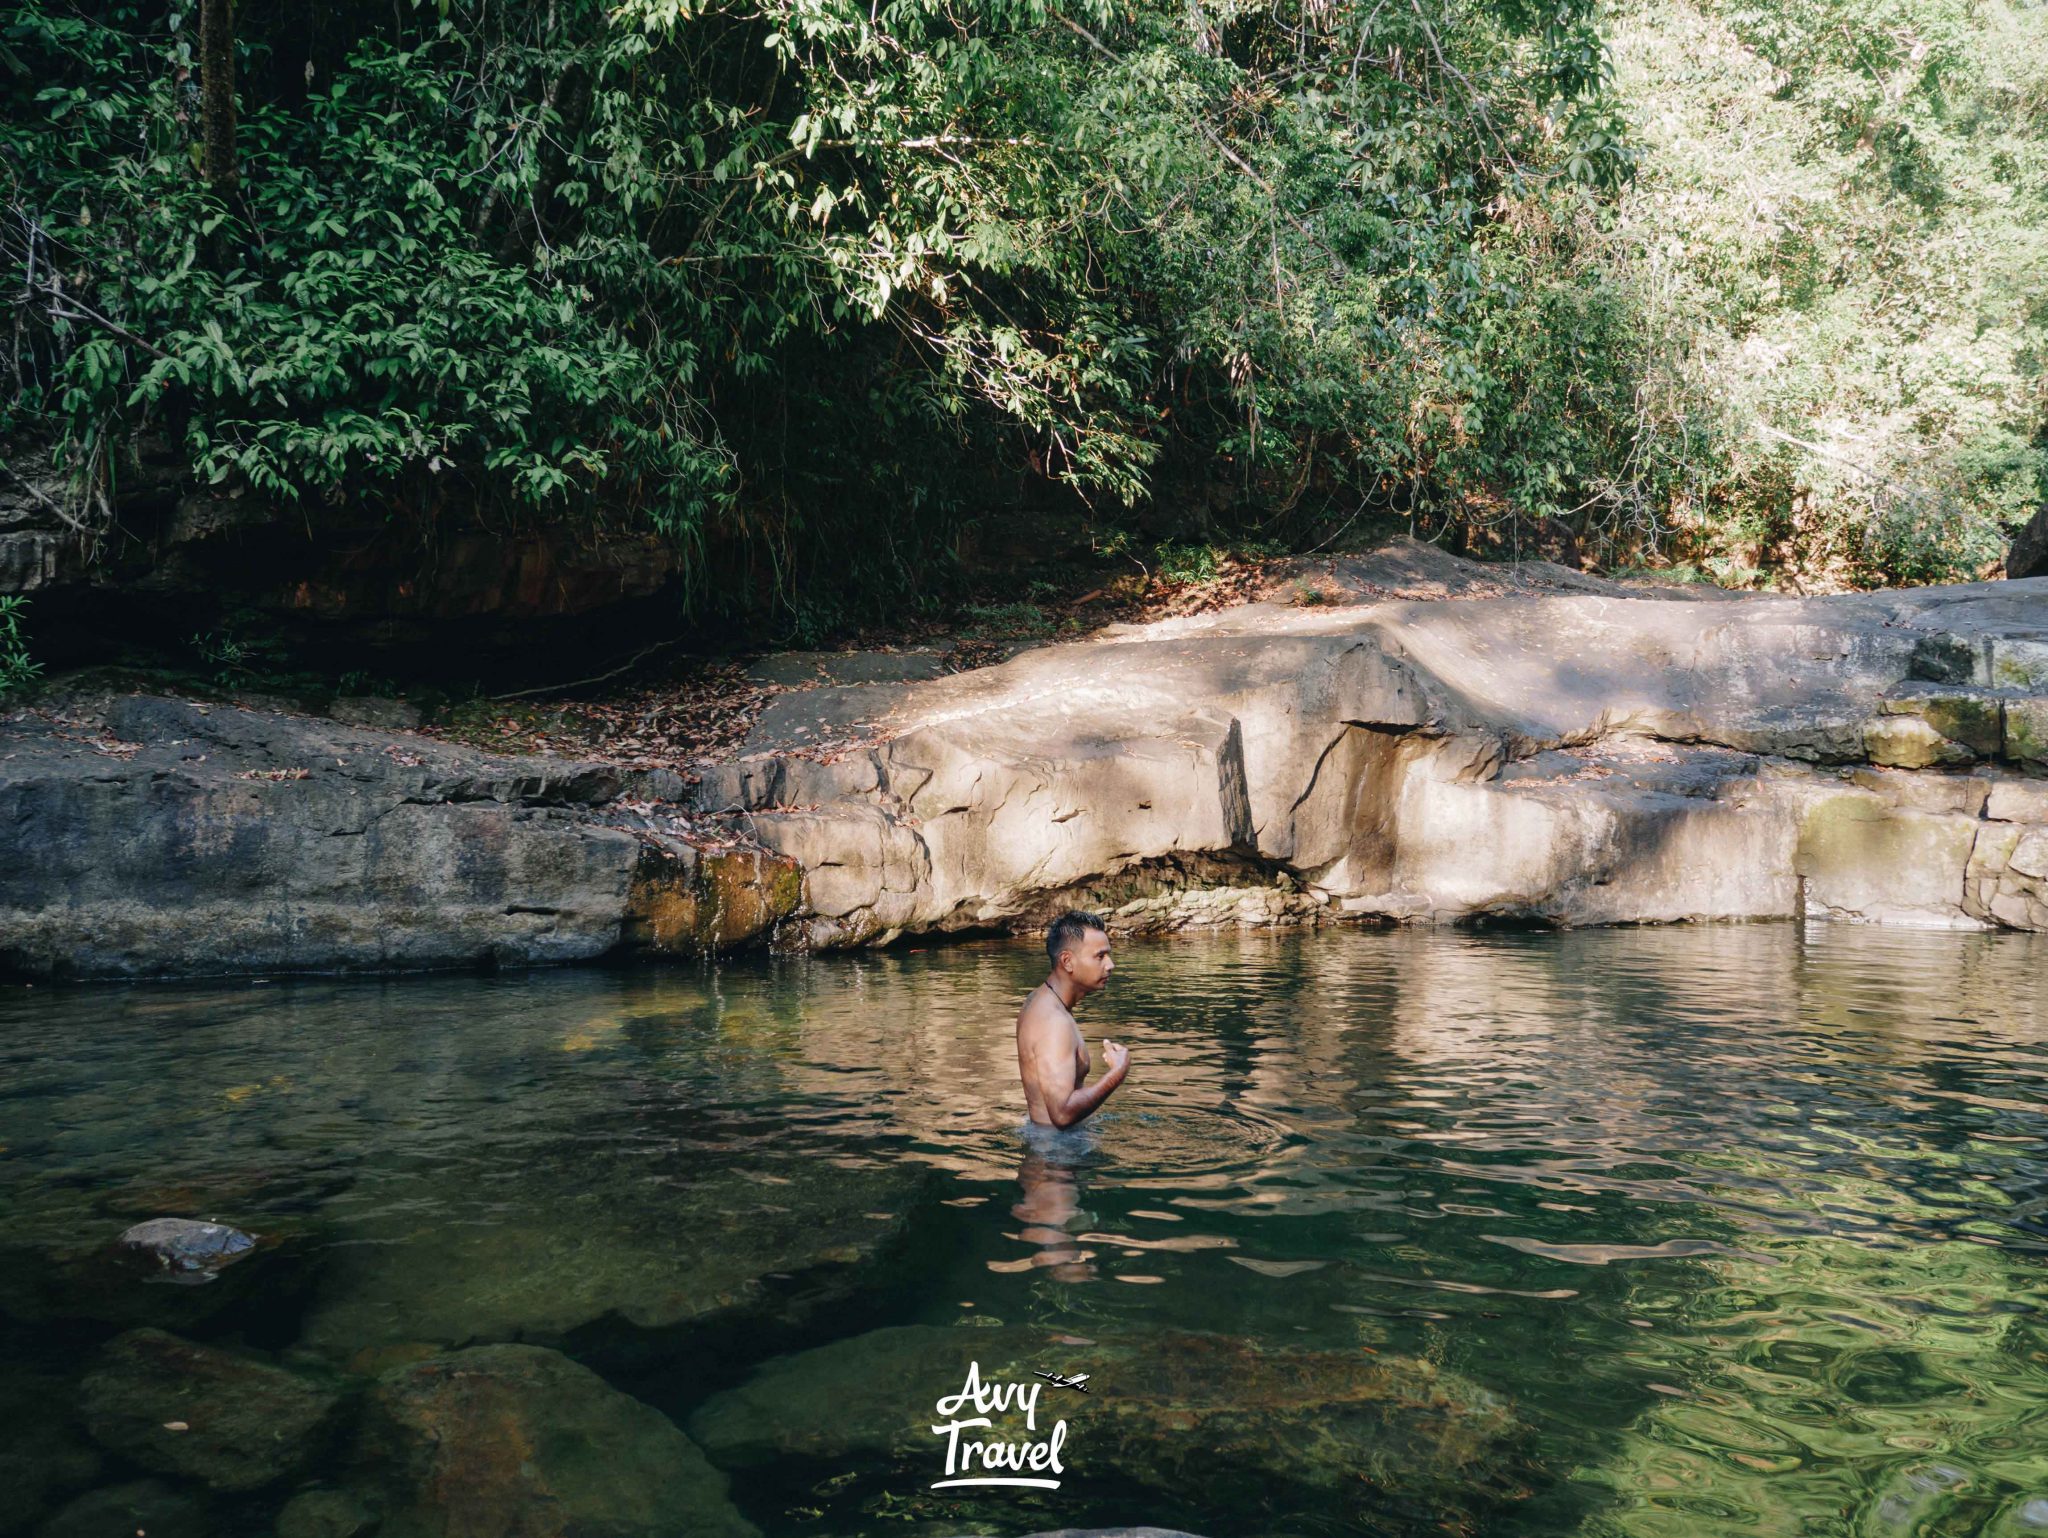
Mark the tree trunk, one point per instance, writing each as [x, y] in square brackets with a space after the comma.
[217, 96]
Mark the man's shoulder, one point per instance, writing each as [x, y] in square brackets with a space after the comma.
[1041, 1004]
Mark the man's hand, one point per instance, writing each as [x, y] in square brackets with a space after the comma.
[1116, 1058]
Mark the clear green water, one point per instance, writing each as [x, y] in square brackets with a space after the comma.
[1650, 1232]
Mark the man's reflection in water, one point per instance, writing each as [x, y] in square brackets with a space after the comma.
[1049, 1204]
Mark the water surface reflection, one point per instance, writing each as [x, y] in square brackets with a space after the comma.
[1626, 1232]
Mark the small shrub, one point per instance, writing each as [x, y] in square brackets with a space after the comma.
[1184, 564]
[234, 657]
[18, 670]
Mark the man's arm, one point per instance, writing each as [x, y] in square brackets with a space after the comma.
[1052, 1057]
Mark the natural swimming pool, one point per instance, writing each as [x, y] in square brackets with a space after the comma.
[1636, 1232]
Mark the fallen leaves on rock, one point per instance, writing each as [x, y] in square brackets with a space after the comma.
[698, 719]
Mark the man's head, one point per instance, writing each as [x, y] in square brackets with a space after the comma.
[1078, 944]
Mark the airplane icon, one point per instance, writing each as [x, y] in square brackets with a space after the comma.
[1059, 1380]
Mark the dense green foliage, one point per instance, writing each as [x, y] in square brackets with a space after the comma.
[814, 285]
[1837, 251]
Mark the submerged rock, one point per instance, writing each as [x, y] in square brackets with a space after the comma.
[521, 1442]
[324, 1514]
[1114, 1532]
[202, 1414]
[42, 1457]
[185, 1249]
[1172, 1411]
[147, 1506]
[654, 1254]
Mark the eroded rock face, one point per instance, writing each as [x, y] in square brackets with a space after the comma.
[188, 1410]
[198, 839]
[683, 900]
[1588, 757]
[1559, 750]
[521, 1442]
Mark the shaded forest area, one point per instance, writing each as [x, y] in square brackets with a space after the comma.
[861, 311]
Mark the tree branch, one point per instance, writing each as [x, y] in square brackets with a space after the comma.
[41, 496]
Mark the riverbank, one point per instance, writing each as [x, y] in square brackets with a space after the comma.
[1411, 738]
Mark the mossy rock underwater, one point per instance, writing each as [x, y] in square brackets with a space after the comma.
[1168, 1410]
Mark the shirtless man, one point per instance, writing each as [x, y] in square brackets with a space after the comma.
[1051, 1056]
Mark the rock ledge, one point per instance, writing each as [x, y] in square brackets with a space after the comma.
[1593, 756]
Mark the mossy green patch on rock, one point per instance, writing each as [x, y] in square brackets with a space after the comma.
[1962, 716]
[688, 902]
[1910, 742]
[2026, 733]
[324, 1514]
[2018, 663]
[1859, 855]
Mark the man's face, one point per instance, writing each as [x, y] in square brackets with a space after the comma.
[1087, 960]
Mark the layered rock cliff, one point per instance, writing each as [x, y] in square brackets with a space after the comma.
[1563, 751]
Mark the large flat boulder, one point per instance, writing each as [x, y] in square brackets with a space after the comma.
[1575, 757]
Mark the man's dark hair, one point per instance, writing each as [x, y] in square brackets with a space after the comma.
[1068, 928]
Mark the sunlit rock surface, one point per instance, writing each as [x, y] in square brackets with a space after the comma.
[1587, 757]
[1516, 745]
